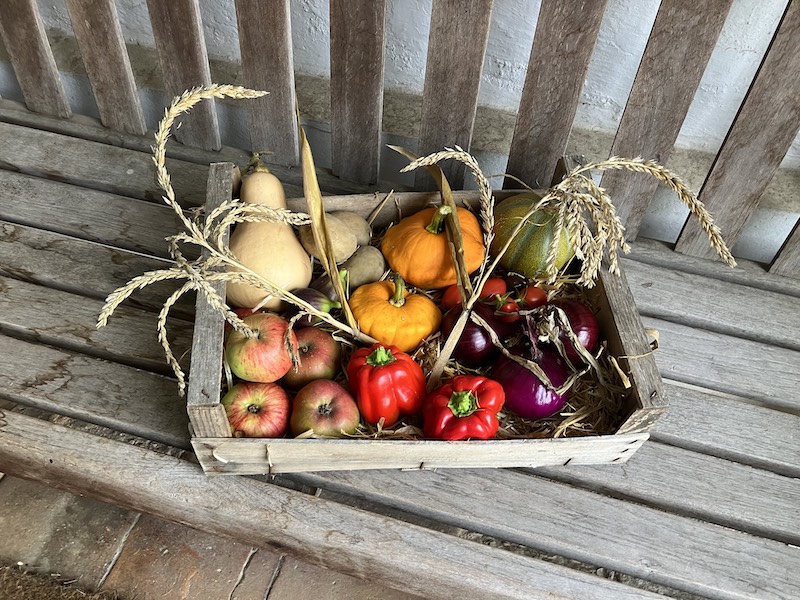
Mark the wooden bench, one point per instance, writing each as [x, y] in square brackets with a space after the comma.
[708, 508]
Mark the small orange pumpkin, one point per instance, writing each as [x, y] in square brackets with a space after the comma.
[391, 314]
[418, 249]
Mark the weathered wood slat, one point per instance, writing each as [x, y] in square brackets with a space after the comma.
[265, 43]
[48, 316]
[357, 52]
[99, 36]
[81, 267]
[178, 32]
[787, 261]
[565, 521]
[708, 303]
[747, 273]
[24, 37]
[566, 32]
[101, 166]
[673, 62]
[418, 560]
[728, 494]
[728, 427]
[761, 372]
[452, 79]
[126, 223]
[85, 129]
[764, 129]
[93, 390]
[207, 415]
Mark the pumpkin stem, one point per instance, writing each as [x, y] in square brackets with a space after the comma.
[436, 225]
[399, 296]
[256, 165]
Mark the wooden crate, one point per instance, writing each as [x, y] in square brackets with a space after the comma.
[219, 453]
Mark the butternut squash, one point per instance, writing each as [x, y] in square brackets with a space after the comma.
[268, 248]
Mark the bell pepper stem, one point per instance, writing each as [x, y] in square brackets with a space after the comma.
[399, 297]
[380, 357]
[463, 404]
[436, 225]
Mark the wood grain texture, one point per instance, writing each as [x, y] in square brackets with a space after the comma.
[766, 374]
[566, 32]
[733, 495]
[97, 166]
[25, 40]
[452, 78]
[357, 55]
[762, 316]
[99, 36]
[676, 55]
[762, 132]
[257, 456]
[787, 260]
[93, 390]
[71, 210]
[47, 316]
[418, 560]
[178, 32]
[81, 267]
[265, 43]
[203, 395]
[630, 538]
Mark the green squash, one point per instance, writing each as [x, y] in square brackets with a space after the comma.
[527, 253]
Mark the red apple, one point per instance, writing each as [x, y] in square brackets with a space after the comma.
[264, 358]
[257, 409]
[319, 357]
[325, 407]
[241, 313]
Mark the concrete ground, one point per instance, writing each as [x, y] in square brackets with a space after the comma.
[99, 547]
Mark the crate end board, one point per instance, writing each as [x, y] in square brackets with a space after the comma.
[260, 456]
[644, 401]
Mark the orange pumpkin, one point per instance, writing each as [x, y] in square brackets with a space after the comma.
[391, 314]
[418, 249]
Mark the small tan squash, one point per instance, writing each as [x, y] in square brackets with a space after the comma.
[270, 249]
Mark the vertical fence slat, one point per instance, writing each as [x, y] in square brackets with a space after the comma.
[178, 32]
[32, 59]
[566, 32]
[265, 41]
[787, 261]
[99, 36]
[456, 48]
[680, 45]
[357, 54]
[760, 136]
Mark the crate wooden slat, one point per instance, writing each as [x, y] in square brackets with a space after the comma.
[759, 138]
[452, 79]
[99, 36]
[265, 43]
[219, 453]
[25, 39]
[674, 60]
[357, 53]
[566, 32]
[787, 262]
[178, 32]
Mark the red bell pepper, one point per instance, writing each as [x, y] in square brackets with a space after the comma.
[463, 408]
[386, 382]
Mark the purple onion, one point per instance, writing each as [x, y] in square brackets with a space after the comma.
[475, 347]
